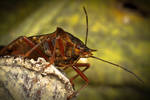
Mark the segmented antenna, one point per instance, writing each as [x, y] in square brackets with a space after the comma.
[86, 25]
[120, 67]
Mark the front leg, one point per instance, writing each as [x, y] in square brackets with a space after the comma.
[81, 74]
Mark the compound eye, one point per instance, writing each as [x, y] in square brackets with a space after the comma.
[79, 47]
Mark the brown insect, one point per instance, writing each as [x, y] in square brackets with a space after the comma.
[59, 48]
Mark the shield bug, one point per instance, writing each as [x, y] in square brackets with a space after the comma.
[59, 48]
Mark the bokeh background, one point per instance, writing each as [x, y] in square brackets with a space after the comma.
[118, 29]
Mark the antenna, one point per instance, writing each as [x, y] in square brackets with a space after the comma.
[86, 25]
[119, 67]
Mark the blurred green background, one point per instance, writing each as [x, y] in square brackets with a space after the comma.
[118, 29]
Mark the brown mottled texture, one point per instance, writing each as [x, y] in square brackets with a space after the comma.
[22, 79]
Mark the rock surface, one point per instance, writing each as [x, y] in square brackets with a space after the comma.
[23, 79]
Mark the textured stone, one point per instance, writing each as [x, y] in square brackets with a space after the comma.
[25, 79]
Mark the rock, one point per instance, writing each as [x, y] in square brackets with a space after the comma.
[23, 79]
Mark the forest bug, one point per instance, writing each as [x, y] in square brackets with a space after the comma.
[59, 48]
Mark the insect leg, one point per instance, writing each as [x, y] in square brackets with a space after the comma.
[52, 58]
[59, 42]
[86, 65]
[34, 47]
[83, 76]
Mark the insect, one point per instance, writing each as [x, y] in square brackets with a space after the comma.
[59, 48]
